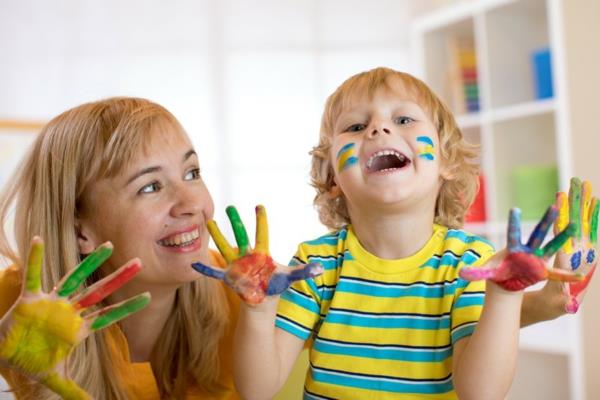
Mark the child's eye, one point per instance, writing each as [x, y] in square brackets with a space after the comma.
[355, 128]
[403, 120]
[192, 175]
[150, 188]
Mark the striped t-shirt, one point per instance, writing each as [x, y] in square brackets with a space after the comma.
[384, 328]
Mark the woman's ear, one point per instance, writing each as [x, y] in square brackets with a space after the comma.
[85, 238]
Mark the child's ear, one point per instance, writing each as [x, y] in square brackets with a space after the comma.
[85, 238]
[334, 191]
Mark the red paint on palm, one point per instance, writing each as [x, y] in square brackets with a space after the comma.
[250, 276]
[576, 288]
[520, 270]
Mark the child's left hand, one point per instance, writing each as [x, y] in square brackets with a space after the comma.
[520, 266]
[251, 272]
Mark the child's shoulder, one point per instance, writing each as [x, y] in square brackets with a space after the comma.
[332, 238]
[466, 239]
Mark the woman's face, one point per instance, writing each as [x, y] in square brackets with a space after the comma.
[156, 209]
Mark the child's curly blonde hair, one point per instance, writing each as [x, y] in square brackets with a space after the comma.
[457, 156]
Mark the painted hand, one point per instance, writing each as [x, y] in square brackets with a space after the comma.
[520, 266]
[251, 272]
[578, 253]
[39, 332]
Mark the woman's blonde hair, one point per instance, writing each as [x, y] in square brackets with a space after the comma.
[457, 155]
[74, 150]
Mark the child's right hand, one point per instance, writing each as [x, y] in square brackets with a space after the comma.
[251, 272]
[41, 329]
[522, 265]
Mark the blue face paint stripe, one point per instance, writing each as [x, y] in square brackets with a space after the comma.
[345, 148]
[425, 139]
[427, 156]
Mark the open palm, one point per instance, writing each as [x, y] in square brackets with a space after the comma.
[251, 272]
[41, 329]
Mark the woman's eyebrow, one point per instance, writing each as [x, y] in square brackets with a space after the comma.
[145, 171]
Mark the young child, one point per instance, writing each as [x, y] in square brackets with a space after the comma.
[390, 317]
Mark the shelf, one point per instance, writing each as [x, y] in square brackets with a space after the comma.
[521, 110]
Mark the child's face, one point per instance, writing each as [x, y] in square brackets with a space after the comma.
[385, 151]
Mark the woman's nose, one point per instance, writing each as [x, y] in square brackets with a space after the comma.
[186, 202]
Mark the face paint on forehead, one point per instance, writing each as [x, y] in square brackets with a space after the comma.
[345, 157]
[426, 150]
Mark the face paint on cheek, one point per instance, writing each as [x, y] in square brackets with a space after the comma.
[426, 150]
[346, 158]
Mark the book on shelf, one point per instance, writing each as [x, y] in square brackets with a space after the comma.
[462, 88]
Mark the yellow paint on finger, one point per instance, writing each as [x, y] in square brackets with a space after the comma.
[225, 249]
[262, 230]
[66, 388]
[33, 279]
[562, 220]
[42, 334]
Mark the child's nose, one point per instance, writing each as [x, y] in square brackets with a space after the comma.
[379, 128]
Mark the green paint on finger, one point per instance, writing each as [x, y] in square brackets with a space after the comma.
[557, 242]
[119, 312]
[575, 207]
[85, 269]
[241, 236]
[594, 223]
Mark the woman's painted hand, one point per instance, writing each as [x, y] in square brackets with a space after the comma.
[252, 272]
[580, 210]
[41, 329]
[522, 265]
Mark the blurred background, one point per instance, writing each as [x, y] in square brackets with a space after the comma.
[248, 80]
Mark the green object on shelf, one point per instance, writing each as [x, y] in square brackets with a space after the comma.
[534, 189]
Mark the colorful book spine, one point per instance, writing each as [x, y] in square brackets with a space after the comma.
[468, 67]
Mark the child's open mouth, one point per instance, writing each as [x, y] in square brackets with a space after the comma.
[386, 161]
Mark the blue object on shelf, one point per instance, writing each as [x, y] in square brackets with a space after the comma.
[542, 73]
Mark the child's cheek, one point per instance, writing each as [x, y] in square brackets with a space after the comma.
[425, 148]
[346, 157]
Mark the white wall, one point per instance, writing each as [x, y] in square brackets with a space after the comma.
[247, 79]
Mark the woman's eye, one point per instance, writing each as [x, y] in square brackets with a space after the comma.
[150, 188]
[192, 175]
[403, 120]
[355, 128]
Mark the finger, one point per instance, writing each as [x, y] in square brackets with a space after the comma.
[595, 207]
[109, 315]
[586, 200]
[262, 230]
[541, 229]
[33, 277]
[64, 387]
[281, 281]
[575, 207]
[228, 252]
[211, 272]
[556, 243]
[557, 274]
[562, 221]
[239, 231]
[103, 288]
[76, 277]
[477, 274]
[514, 229]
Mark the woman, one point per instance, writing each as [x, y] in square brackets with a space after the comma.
[124, 170]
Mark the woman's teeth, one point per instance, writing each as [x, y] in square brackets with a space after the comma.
[180, 239]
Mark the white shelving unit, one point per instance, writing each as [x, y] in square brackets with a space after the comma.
[513, 128]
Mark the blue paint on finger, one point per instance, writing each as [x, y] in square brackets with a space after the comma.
[209, 271]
